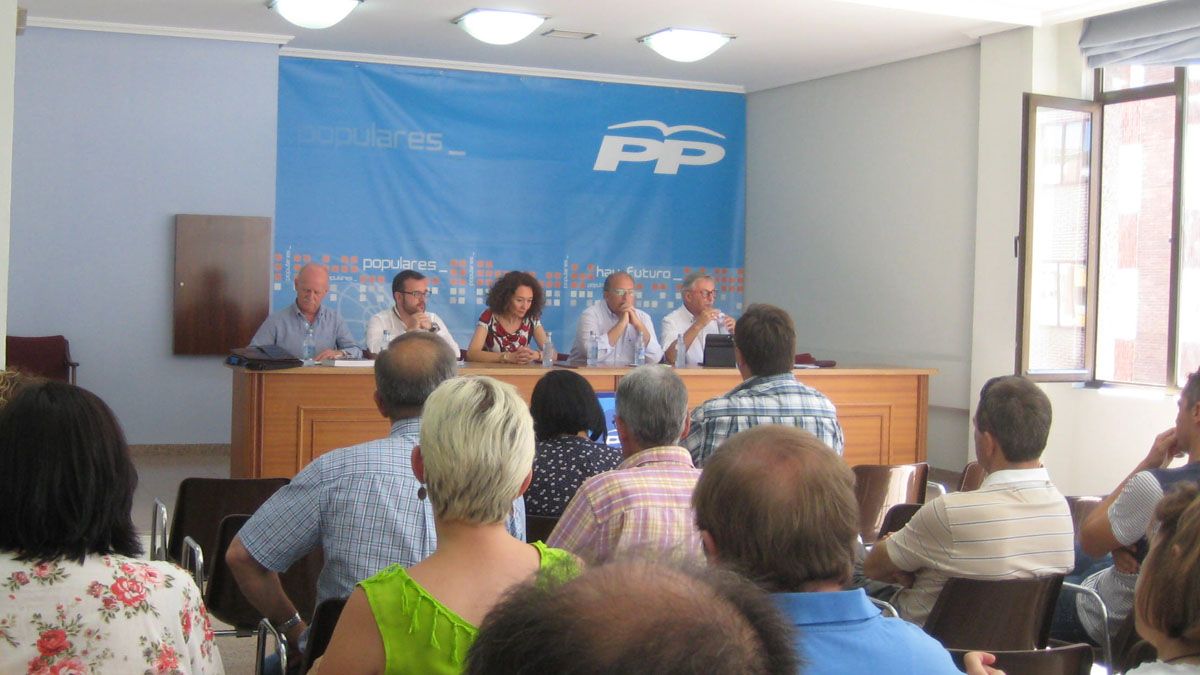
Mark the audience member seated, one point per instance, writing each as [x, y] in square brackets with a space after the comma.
[777, 505]
[475, 457]
[644, 506]
[635, 618]
[1120, 523]
[1016, 525]
[1167, 601]
[76, 597]
[566, 415]
[288, 327]
[358, 504]
[511, 323]
[764, 344]
[410, 292]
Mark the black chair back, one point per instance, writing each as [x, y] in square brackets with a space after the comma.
[879, 487]
[972, 477]
[1064, 660]
[320, 631]
[538, 528]
[203, 502]
[897, 517]
[224, 597]
[1006, 614]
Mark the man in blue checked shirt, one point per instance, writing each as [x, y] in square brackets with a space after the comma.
[764, 345]
[361, 504]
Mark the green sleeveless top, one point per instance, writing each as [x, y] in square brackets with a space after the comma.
[420, 634]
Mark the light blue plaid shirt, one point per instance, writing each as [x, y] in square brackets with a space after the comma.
[286, 328]
[360, 505]
[770, 399]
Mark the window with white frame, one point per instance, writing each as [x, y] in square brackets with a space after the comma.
[1109, 247]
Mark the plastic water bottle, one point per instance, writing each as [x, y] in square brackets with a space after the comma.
[387, 339]
[310, 345]
[548, 354]
[593, 350]
[680, 352]
[602, 348]
[639, 352]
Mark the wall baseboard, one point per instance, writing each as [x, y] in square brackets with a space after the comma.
[180, 450]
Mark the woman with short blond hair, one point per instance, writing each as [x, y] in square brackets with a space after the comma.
[474, 458]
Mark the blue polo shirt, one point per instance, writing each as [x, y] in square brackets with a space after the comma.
[842, 633]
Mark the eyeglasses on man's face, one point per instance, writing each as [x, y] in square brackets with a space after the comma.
[703, 294]
[420, 295]
[622, 292]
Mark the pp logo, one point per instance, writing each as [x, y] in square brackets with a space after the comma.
[668, 154]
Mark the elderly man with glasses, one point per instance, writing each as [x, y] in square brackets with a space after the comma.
[695, 319]
[410, 290]
[622, 327]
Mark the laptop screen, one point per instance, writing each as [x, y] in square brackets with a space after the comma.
[608, 403]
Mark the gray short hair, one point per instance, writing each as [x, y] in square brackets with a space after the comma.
[691, 279]
[410, 368]
[477, 445]
[652, 403]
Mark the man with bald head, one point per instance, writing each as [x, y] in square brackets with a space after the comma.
[287, 327]
[777, 505]
[634, 617]
[622, 326]
[359, 504]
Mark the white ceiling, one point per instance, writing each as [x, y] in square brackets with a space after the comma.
[778, 41]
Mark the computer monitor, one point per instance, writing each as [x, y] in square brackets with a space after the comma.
[608, 403]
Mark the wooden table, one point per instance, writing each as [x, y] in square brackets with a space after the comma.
[282, 419]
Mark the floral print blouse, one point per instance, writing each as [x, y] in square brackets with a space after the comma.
[111, 614]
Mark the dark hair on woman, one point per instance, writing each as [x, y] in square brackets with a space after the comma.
[564, 403]
[506, 286]
[66, 480]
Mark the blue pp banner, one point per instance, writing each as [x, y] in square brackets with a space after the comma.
[464, 175]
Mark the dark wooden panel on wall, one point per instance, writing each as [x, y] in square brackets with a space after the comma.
[222, 281]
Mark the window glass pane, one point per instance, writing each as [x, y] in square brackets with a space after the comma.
[1135, 241]
[1129, 77]
[1188, 359]
[1058, 285]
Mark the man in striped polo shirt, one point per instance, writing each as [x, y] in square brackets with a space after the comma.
[1016, 525]
[643, 508]
[1121, 524]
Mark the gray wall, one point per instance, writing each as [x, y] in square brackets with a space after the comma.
[113, 135]
[861, 221]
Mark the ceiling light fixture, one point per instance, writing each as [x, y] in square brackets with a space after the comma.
[684, 45]
[313, 13]
[498, 27]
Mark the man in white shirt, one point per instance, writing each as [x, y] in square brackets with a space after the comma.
[620, 322]
[410, 289]
[695, 319]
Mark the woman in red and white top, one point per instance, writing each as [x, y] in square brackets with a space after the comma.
[511, 323]
[76, 597]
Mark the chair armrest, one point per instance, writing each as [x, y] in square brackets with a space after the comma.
[1107, 646]
[192, 560]
[158, 531]
[260, 649]
[934, 490]
[886, 607]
